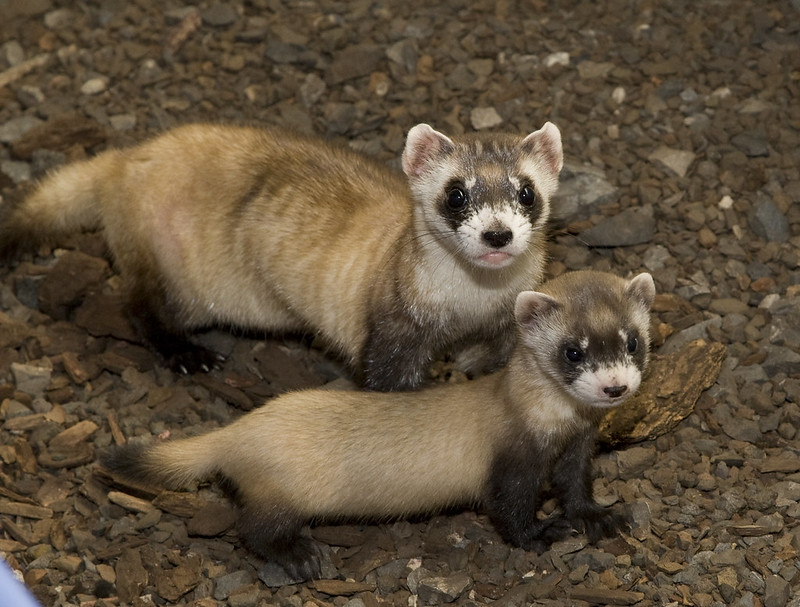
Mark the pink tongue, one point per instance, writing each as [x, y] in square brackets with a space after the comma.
[494, 258]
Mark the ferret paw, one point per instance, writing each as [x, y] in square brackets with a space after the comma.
[300, 559]
[601, 522]
[195, 360]
[546, 532]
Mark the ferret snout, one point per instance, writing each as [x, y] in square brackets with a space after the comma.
[498, 238]
[615, 391]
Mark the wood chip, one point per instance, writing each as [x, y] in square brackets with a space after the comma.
[667, 395]
[341, 587]
[18, 71]
[11, 546]
[74, 435]
[129, 502]
[178, 503]
[604, 596]
[71, 457]
[25, 510]
[24, 423]
[116, 431]
[228, 393]
[780, 463]
[76, 370]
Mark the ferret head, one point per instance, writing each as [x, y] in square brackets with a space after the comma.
[484, 197]
[589, 333]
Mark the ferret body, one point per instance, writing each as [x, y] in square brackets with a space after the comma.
[267, 230]
[498, 440]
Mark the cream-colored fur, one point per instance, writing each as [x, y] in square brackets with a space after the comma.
[325, 453]
[268, 230]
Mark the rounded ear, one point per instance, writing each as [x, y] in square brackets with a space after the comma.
[546, 143]
[422, 145]
[643, 288]
[531, 306]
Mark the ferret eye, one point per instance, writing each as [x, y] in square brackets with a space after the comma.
[573, 355]
[527, 196]
[456, 198]
[633, 344]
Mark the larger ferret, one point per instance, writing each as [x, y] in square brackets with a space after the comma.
[268, 230]
[499, 440]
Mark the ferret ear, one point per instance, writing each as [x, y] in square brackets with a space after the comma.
[422, 145]
[643, 288]
[546, 143]
[531, 306]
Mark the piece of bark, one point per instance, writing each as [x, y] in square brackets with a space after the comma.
[179, 503]
[226, 392]
[667, 395]
[129, 502]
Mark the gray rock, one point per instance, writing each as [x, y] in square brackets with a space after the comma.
[354, 62]
[678, 161]
[437, 590]
[656, 257]
[312, 89]
[634, 461]
[630, 227]
[405, 54]
[274, 576]
[753, 143]
[597, 560]
[220, 14]
[581, 191]
[484, 118]
[768, 222]
[18, 171]
[681, 338]
[15, 128]
[33, 377]
[781, 360]
[776, 591]
[226, 584]
[746, 430]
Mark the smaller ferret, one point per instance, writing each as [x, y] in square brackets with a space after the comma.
[498, 441]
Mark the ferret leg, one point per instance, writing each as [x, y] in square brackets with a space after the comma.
[572, 483]
[160, 330]
[515, 494]
[396, 355]
[274, 535]
[490, 353]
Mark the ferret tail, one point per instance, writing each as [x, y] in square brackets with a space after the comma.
[68, 200]
[172, 464]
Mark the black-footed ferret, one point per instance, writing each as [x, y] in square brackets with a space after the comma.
[267, 230]
[499, 440]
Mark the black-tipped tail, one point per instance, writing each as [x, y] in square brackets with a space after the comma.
[128, 462]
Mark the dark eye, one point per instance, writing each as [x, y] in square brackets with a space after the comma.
[456, 198]
[527, 196]
[633, 344]
[573, 355]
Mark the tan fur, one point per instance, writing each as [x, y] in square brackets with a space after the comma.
[324, 453]
[265, 229]
[330, 453]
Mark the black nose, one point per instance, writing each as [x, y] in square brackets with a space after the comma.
[498, 239]
[615, 391]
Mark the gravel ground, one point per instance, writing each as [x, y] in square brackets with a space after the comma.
[680, 123]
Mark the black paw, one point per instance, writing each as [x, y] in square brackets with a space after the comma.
[301, 559]
[194, 360]
[546, 532]
[601, 522]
